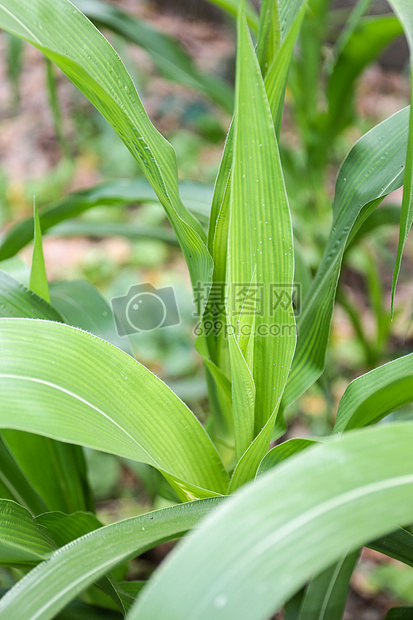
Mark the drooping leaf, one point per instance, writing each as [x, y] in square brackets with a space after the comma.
[284, 451]
[72, 386]
[296, 521]
[48, 588]
[69, 39]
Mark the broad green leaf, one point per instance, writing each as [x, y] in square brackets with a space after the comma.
[14, 484]
[170, 57]
[261, 546]
[38, 277]
[81, 305]
[72, 386]
[284, 451]
[69, 39]
[373, 168]
[17, 269]
[404, 11]
[59, 478]
[373, 395]
[22, 540]
[196, 196]
[326, 595]
[48, 588]
[18, 301]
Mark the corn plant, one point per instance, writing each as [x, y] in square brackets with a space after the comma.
[271, 528]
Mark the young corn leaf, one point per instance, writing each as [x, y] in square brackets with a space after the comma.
[260, 258]
[38, 277]
[306, 513]
[169, 56]
[373, 168]
[399, 613]
[69, 39]
[404, 11]
[22, 540]
[377, 393]
[83, 390]
[73, 568]
[260, 252]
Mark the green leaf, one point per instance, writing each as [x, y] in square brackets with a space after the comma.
[18, 301]
[114, 229]
[372, 396]
[260, 547]
[48, 588]
[373, 168]
[404, 11]
[72, 386]
[69, 39]
[38, 277]
[269, 33]
[196, 196]
[169, 56]
[327, 593]
[260, 246]
[22, 540]
[60, 476]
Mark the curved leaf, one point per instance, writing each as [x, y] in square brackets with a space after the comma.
[72, 386]
[18, 301]
[52, 584]
[257, 549]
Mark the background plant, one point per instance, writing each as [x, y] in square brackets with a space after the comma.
[62, 383]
